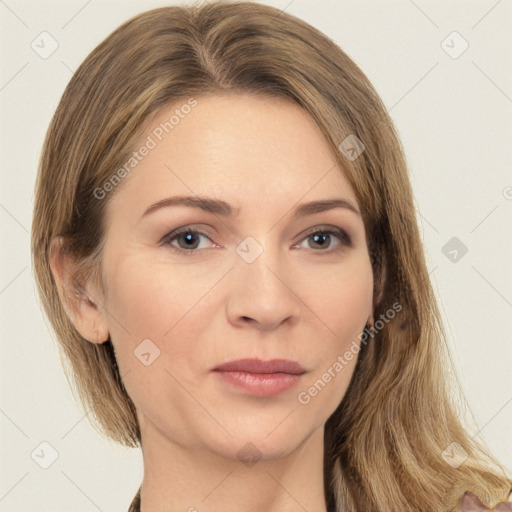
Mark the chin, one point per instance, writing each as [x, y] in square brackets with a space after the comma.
[253, 444]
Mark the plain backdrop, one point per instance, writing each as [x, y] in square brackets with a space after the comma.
[450, 97]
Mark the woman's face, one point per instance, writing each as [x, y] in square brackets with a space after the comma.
[257, 283]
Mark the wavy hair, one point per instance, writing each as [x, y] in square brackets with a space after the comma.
[385, 445]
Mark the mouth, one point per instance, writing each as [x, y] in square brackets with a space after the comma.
[260, 378]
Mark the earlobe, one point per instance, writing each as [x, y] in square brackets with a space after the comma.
[83, 309]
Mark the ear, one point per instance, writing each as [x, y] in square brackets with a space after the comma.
[81, 301]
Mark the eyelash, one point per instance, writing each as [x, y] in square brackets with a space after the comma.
[340, 234]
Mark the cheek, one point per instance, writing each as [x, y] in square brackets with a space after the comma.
[350, 305]
[144, 302]
[343, 307]
[151, 300]
[343, 302]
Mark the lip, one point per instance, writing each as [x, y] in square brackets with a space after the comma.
[260, 378]
[260, 366]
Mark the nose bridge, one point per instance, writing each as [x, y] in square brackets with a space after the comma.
[260, 260]
[260, 290]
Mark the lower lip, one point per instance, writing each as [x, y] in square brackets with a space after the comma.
[260, 384]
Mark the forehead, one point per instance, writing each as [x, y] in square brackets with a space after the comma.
[234, 146]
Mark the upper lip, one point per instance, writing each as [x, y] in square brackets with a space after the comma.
[260, 366]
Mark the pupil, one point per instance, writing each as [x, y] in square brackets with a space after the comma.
[316, 237]
[189, 238]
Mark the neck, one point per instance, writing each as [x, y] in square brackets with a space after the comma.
[192, 479]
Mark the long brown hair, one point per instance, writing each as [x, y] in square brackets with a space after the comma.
[386, 444]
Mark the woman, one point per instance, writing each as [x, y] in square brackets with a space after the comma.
[225, 242]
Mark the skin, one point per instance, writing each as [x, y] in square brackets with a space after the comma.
[297, 300]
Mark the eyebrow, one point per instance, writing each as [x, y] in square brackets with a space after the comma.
[219, 207]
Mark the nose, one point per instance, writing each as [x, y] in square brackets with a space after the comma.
[262, 292]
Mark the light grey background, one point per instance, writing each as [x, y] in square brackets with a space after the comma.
[455, 118]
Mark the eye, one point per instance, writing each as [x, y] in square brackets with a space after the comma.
[322, 238]
[188, 239]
